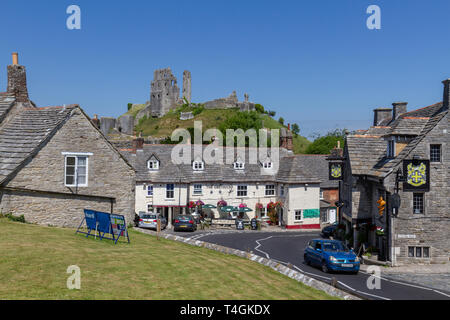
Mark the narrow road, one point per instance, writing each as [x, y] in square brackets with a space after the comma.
[287, 248]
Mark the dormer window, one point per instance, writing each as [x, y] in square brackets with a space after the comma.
[238, 165]
[198, 165]
[153, 163]
[267, 165]
[390, 153]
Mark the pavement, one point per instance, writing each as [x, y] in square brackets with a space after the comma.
[412, 282]
[435, 276]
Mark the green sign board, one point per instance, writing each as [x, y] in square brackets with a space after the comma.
[311, 213]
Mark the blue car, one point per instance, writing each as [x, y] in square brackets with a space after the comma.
[331, 255]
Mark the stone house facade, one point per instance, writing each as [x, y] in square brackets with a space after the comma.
[166, 188]
[375, 160]
[54, 163]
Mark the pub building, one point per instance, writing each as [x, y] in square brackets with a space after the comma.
[395, 186]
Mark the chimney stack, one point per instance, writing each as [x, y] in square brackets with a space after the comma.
[96, 121]
[446, 93]
[17, 80]
[398, 109]
[380, 115]
[138, 144]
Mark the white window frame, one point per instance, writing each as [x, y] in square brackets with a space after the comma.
[263, 212]
[153, 165]
[301, 215]
[150, 187]
[267, 165]
[150, 205]
[321, 194]
[173, 190]
[76, 155]
[269, 189]
[242, 186]
[196, 191]
[198, 165]
[238, 165]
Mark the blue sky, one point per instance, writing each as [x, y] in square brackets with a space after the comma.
[313, 62]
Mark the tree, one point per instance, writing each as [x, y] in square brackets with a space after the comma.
[324, 144]
[272, 113]
[281, 120]
[295, 129]
[259, 108]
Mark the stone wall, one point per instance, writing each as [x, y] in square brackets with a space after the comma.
[108, 176]
[431, 228]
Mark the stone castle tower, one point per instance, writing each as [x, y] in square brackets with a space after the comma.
[187, 85]
[164, 92]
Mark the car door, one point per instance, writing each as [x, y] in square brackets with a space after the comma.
[309, 251]
[317, 253]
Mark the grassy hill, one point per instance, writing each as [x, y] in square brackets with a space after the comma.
[34, 262]
[211, 118]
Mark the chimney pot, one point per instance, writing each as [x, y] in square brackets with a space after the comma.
[15, 58]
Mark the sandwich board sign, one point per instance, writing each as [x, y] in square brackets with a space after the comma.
[103, 225]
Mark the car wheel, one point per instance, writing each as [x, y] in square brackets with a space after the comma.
[354, 272]
[307, 260]
[325, 267]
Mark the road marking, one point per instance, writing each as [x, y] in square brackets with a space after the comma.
[314, 274]
[441, 293]
[259, 244]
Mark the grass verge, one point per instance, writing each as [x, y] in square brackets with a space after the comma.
[34, 260]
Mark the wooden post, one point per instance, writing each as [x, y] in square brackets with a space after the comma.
[158, 228]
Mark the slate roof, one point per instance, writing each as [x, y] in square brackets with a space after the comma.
[6, 102]
[367, 148]
[317, 164]
[293, 169]
[23, 136]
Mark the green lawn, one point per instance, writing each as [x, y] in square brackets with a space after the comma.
[34, 260]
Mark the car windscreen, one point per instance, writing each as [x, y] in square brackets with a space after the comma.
[333, 246]
[149, 216]
[184, 217]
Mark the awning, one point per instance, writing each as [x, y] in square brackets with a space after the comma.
[229, 209]
[245, 209]
[208, 206]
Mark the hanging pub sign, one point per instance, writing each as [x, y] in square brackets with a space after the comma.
[417, 175]
[336, 171]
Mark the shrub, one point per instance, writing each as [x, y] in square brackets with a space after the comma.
[281, 120]
[259, 108]
[11, 217]
[130, 105]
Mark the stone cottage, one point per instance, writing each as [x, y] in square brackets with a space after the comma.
[403, 160]
[54, 162]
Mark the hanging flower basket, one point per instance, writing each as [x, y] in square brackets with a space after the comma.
[259, 206]
[272, 205]
[199, 203]
[242, 205]
[221, 203]
[191, 204]
[380, 231]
